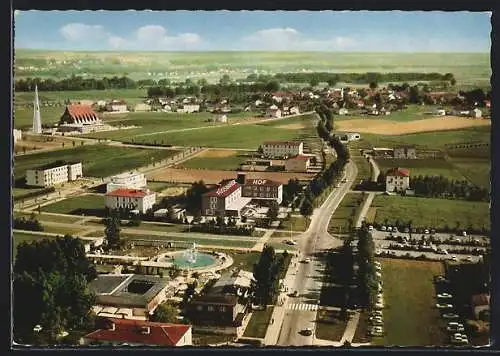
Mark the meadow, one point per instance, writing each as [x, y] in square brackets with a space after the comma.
[423, 167]
[410, 316]
[476, 170]
[75, 205]
[430, 212]
[347, 211]
[98, 160]
[227, 160]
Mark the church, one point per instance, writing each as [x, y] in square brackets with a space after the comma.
[82, 119]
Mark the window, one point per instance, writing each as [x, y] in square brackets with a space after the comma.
[199, 307]
[210, 308]
[222, 309]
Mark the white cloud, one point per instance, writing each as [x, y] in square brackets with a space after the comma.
[289, 39]
[149, 37]
[78, 32]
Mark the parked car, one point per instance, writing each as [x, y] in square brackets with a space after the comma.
[395, 229]
[464, 233]
[295, 294]
[407, 230]
[376, 313]
[444, 295]
[469, 259]
[370, 228]
[454, 258]
[307, 332]
[383, 228]
[375, 317]
[426, 231]
[389, 228]
[455, 328]
[450, 316]
[307, 260]
[443, 306]
[379, 306]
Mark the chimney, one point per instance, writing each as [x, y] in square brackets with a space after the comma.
[241, 178]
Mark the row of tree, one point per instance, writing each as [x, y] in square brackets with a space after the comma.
[267, 273]
[74, 83]
[219, 226]
[441, 187]
[31, 224]
[367, 279]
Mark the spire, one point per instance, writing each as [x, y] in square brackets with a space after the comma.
[37, 122]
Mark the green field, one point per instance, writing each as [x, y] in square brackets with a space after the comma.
[364, 168]
[411, 113]
[430, 212]
[63, 230]
[329, 325]
[295, 223]
[229, 163]
[349, 209]
[259, 321]
[468, 68]
[198, 240]
[47, 217]
[410, 316]
[245, 261]
[423, 167]
[74, 204]
[98, 160]
[476, 170]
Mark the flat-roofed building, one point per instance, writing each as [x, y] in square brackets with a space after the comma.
[299, 163]
[53, 173]
[277, 149]
[131, 180]
[131, 199]
[260, 189]
[405, 152]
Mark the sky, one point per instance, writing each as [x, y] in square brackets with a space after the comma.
[336, 31]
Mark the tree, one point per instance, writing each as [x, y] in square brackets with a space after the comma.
[112, 229]
[194, 195]
[189, 292]
[165, 313]
[266, 277]
[373, 85]
[50, 287]
[307, 208]
[273, 211]
[314, 81]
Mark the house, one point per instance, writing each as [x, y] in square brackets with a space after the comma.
[294, 110]
[299, 163]
[480, 303]
[234, 283]
[220, 118]
[128, 180]
[189, 108]
[273, 111]
[343, 111]
[397, 180]
[477, 113]
[405, 152]
[128, 296]
[117, 332]
[260, 189]
[53, 173]
[117, 106]
[441, 112]
[226, 200]
[17, 135]
[130, 199]
[278, 149]
[142, 107]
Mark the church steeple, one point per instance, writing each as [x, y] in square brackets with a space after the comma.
[37, 122]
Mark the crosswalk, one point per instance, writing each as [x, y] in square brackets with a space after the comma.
[302, 306]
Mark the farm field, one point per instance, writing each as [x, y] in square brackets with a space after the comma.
[346, 214]
[410, 316]
[97, 160]
[215, 176]
[430, 212]
[411, 113]
[476, 170]
[216, 159]
[386, 127]
[75, 205]
[423, 167]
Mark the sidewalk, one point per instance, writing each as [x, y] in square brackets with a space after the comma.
[350, 329]
[262, 241]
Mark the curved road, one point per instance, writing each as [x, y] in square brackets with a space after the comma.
[301, 311]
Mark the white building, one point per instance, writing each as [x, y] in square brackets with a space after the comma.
[283, 148]
[294, 110]
[130, 180]
[397, 180]
[477, 113]
[221, 118]
[343, 111]
[226, 200]
[273, 111]
[189, 108]
[18, 135]
[130, 199]
[53, 173]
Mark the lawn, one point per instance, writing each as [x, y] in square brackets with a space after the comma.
[329, 325]
[200, 339]
[296, 223]
[430, 212]
[282, 246]
[198, 240]
[97, 160]
[361, 334]
[476, 170]
[47, 217]
[20, 192]
[423, 167]
[347, 211]
[257, 326]
[410, 316]
[364, 168]
[76, 205]
[23, 117]
[228, 163]
[283, 234]
[245, 261]
[63, 230]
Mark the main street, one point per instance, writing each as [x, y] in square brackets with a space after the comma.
[301, 311]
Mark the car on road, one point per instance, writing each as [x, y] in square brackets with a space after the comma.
[444, 306]
[376, 313]
[469, 259]
[389, 228]
[454, 258]
[450, 316]
[379, 306]
[426, 231]
[295, 294]
[444, 295]
[307, 332]
[370, 228]
[383, 228]
[307, 260]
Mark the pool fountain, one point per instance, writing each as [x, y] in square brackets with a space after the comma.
[191, 254]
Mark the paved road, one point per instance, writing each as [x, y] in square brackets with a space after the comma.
[308, 279]
[375, 170]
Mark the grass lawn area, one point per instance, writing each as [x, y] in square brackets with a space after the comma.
[364, 168]
[244, 136]
[430, 212]
[283, 234]
[97, 160]
[245, 261]
[296, 223]
[410, 316]
[329, 326]
[347, 211]
[158, 186]
[476, 170]
[257, 326]
[75, 205]
[157, 227]
[46, 217]
[19, 192]
[63, 230]
[361, 334]
[229, 163]
[198, 240]
[423, 167]
[200, 339]
[23, 117]
[282, 246]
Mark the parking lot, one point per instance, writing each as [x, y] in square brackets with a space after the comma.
[435, 246]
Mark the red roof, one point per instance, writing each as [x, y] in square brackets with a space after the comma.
[399, 172]
[81, 112]
[301, 158]
[129, 331]
[282, 143]
[130, 193]
[480, 299]
[258, 181]
[224, 190]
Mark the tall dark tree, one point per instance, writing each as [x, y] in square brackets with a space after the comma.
[112, 229]
[307, 208]
[264, 276]
[193, 196]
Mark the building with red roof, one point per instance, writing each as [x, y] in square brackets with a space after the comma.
[113, 331]
[225, 200]
[130, 199]
[79, 114]
[397, 180]
[299, 163]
